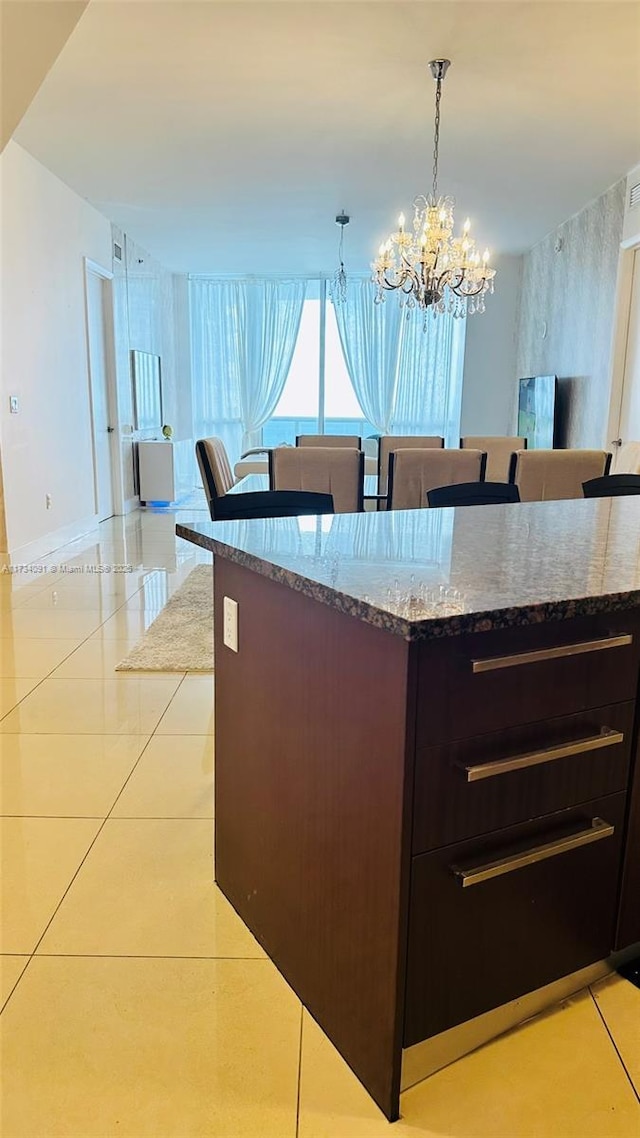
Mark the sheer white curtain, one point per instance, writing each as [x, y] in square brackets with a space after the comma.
[243, 335]
[371, 335]
[429, 389]
[408, 378]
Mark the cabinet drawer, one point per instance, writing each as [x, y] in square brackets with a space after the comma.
[470, 685]
[496, 917]
[475, 786]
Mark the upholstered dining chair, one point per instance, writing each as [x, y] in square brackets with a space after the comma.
[498, 449]
[324, 470]
[412, 473]
[354, 442]
[612, 486]
[474, 494]
[215, 468]
[389, 443]
[549, 475]
[270, 504]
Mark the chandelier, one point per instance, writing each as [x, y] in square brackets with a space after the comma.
[430, 267]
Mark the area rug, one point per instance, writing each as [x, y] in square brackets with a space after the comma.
[181, 637]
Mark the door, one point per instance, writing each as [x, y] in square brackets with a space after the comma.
[628, 457]
[98, 298]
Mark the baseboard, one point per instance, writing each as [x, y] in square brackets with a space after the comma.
[424, 1059]
[50, 542]
[131, 504]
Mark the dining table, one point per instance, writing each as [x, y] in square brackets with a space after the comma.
[253, 483]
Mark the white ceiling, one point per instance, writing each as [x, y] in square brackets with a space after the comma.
[32, 33]
[226, 136]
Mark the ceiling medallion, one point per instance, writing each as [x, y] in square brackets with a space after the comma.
[430, 267]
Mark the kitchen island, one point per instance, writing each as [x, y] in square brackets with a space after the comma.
[427, 791]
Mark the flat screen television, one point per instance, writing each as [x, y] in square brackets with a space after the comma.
[537, 420]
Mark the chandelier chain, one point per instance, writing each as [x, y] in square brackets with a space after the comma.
[436, 139]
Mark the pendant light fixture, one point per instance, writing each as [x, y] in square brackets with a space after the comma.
[427, 265]
[338, 285]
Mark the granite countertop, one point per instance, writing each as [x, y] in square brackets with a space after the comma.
[430, 573]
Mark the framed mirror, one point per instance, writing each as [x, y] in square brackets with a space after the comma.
[147, 391]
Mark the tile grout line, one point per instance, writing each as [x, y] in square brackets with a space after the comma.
[299, 1073]
[105, 819]
[49, 675]
[119, 818]
[135, 765]
[108, 815]
[30, 958]
[135, 956]
[169, 705]
[97, 835]
[615, 1046]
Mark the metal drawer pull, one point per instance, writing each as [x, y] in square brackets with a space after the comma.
[492, 663]
[473, 875]
[607, 738]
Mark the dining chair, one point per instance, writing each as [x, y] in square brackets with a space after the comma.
[270, 504]
[389, 443]
[474, 494]
[325, 470]
[612, 486]
[412, 473]
[550, 475]
[354, 442]
[215, 468]
[626, 459]
[498, 449]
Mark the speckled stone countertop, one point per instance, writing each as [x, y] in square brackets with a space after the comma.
[430, 573]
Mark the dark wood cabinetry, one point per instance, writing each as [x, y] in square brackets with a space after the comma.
[470, 685]
[629, 919]
[474, 948]
[504, 777]
[417, 832]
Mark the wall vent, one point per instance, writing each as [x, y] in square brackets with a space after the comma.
[634, 196]
[117, 249]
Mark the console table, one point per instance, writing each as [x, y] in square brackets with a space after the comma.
[166, 470]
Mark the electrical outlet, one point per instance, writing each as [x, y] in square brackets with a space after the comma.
[230, 617]
[48, 502]
[13, 404]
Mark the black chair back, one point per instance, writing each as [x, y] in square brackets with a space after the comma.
[270, 504]
[612, 486]
[473, 494]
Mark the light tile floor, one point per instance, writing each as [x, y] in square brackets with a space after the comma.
[137, 1003]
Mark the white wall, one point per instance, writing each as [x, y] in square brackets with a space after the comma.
[3, 528]
[150, 315]
[47, 447]
[490, 376]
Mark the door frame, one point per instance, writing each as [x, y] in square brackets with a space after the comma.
[97, 270]
[621, 320]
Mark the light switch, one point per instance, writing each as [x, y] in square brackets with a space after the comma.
[13, 404]
[230, 617]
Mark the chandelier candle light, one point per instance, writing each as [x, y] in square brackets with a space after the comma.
[430, 267]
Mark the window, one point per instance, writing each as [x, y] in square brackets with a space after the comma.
[407, 373]
[312, 402]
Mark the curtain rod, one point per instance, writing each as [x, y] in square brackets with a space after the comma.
[271, 277]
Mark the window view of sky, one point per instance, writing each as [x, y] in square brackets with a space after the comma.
[300, 396]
